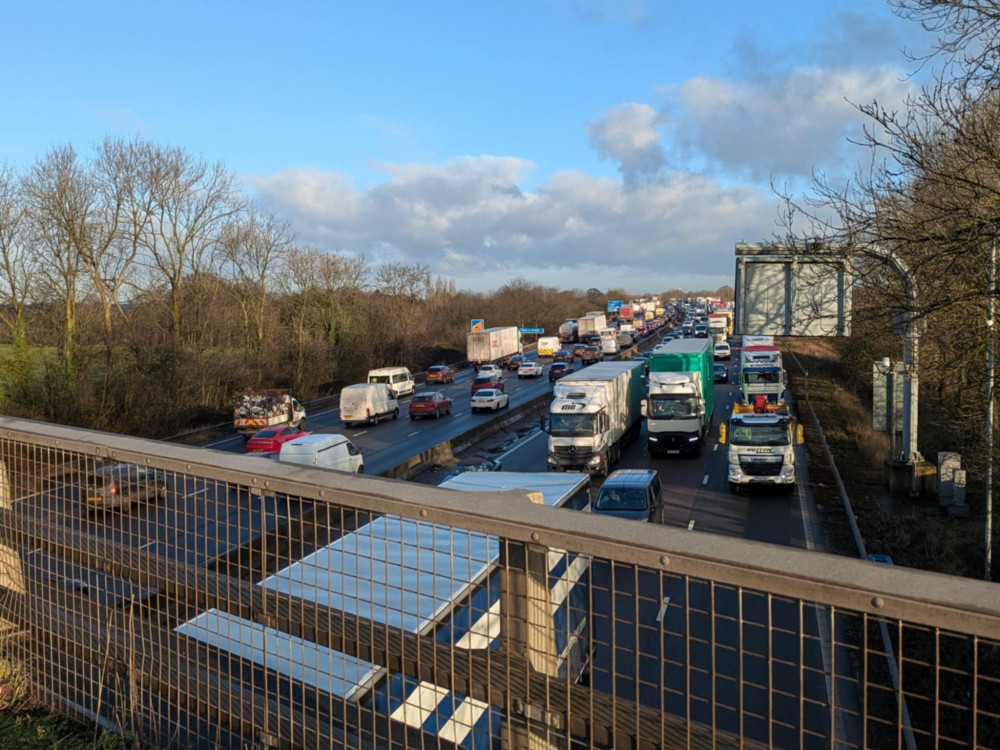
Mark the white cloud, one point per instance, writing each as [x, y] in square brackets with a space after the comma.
[628, 135]
[470, 221]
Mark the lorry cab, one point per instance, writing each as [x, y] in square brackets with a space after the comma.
[399, 380]
[761, 449]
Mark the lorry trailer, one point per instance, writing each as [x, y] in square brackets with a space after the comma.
[494, 345]
[681, 396]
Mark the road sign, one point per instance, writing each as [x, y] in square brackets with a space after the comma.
[477, 324]
[614, 305]
[531, 330]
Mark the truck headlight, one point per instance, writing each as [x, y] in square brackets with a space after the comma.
[653, 439]
[788, 474]
[594, 460]
[552, 461]
[694, 439]
[735, 473]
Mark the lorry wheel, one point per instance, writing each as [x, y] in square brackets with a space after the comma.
[395, 413]
[347, 424]
[375, 419]
[361, 469]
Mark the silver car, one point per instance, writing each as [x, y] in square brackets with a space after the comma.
[123, 485]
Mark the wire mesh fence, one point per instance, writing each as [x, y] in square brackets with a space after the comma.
[192, 598]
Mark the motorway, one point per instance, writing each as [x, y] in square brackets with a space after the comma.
[650, 631]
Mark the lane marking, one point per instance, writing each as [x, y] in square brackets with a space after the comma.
[691, 525]
[663, 609]
[705, 480]
[148, 544]
[359, 434]
[413, 433]
[715, 447]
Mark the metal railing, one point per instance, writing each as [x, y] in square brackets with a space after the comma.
[232, 602]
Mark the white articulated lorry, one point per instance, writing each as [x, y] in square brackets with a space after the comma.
[761, 448]
[594, 415]
[495, 345]
[591, 325]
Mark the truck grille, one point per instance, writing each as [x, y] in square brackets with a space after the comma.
[761, 468]
[573, 452]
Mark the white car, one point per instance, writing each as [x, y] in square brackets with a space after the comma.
[722, 350]
[490, 398]
[530, 369]
[491, 370]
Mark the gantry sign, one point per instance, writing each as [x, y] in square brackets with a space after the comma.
[787, 290]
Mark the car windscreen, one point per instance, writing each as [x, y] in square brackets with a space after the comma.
[621, 498]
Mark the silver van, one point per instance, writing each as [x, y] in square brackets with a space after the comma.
[324, 451]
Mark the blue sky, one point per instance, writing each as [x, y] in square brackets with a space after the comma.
[577, 143]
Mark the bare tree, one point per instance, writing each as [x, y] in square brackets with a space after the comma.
[191, 202]
[255, 245]
[18, 261]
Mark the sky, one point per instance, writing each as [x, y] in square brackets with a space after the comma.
[572, 143]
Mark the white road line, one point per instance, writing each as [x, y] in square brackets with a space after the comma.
[359, 434]
[522, 443]
[35, 551]
[691, 525]
[148, 544]
[715, 447]
[705, 480]
[413, 433]
[663, 609]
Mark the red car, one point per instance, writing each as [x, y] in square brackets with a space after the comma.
[439, 374]
[270, 439]
[429, 404]
[487, 381]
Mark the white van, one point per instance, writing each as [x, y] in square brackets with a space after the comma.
[398, 379]
[325, 451]
[367, 402]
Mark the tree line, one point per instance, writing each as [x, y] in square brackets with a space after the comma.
[140, 288]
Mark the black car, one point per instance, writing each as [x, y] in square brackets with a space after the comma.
[721, 373]
[562, 355]
[559, 369]
[514, 362]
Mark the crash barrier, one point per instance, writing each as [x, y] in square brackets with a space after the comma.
[244, 602]
[440, 453]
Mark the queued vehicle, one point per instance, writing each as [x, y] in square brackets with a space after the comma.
[474, 464]
[515, 362]
[490, 369]
[530, 369]
[722, 351]
[270, 439]
[591, 355]
[123, 485]
[631, 493]
[563, 355]
[486, 381]
[720, 373]
[489, 399]
[559, 369]
[577, 350]
[439, 374]
[429, 404]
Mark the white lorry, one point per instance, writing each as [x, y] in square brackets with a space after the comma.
[266, 407]
[594, 415]
[495, 345]
[675, 413]
[761, 449]
[591, 325]
[609, 342]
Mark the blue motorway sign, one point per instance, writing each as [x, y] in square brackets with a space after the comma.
[531, 330]
[614, 305]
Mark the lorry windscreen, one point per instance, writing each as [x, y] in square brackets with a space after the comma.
[672, 407]
[754, 377]
[761, 434]
[572, 425]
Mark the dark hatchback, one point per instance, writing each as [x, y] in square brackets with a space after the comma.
[631, 493]
[559, 369]
[720, 373]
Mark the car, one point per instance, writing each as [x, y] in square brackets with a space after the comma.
[490, 370]
[559, 369]
[701, 331]
[563, 355]
[577, 350]
[474, 464]
[429, 404]
[270, 439]
[631, 493]
[625, 340]
[720, 373]
[486, 381]
[722, 351]
[439, 374]
[530, 369]
[590, 355]
[594, 341]
[123, 485]
[515, 362]
[489, 399]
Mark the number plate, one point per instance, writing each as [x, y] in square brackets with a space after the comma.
[673, 451]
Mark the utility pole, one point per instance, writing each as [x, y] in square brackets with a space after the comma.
[989, 406]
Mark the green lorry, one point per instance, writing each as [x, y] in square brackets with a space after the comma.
[681, 396]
